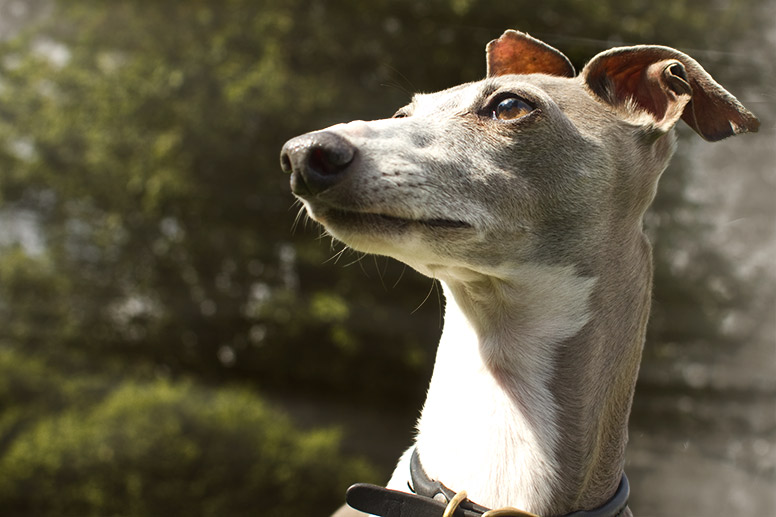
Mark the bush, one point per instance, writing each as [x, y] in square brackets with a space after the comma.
[163, 448]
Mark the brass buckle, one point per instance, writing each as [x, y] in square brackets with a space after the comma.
[507, 511]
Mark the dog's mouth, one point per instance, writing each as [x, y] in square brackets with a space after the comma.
[368, 220]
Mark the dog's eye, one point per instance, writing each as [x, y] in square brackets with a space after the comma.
[402, 113]
[511, 108]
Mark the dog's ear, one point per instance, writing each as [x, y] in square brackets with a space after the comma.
[518, 53]
[667, 84]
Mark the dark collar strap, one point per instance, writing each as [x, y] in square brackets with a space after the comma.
[431, 498]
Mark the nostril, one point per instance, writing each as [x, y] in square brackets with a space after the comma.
[285, 163]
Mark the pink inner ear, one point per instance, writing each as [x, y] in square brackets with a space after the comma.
[646, 84]
[645, 75]
[518, 53]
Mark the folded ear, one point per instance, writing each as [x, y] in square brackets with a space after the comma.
[518, 53]
[666, 85]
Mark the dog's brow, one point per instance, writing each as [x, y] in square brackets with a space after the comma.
[489, 88]
[460, 98]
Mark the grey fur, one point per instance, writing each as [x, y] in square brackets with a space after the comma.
[481, 204]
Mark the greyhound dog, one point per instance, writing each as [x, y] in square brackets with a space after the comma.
[524, 194]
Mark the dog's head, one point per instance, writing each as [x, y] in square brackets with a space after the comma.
[532, 163]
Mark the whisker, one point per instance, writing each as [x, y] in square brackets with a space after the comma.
[401, 275]
[335, 258]
[358, 260]
[440, 303]
[299, 215]
[322, 234]
[380, 273]
[396, 84]
[428, 295]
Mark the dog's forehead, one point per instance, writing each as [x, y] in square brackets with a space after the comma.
[460, 96]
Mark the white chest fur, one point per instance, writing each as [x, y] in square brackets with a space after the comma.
[489, 422]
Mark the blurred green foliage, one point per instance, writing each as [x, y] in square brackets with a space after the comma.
[95, 445]
[141, 138]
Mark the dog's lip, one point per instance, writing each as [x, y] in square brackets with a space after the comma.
[377, 218]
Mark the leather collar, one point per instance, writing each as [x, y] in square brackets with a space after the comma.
[430, 499]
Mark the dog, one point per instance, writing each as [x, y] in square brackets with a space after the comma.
[524, 195]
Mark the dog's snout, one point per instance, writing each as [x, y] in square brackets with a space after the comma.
[316, 161]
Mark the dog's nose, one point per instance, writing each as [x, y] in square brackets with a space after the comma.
[316, 161]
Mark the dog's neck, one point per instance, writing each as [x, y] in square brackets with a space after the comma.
[534, 376]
